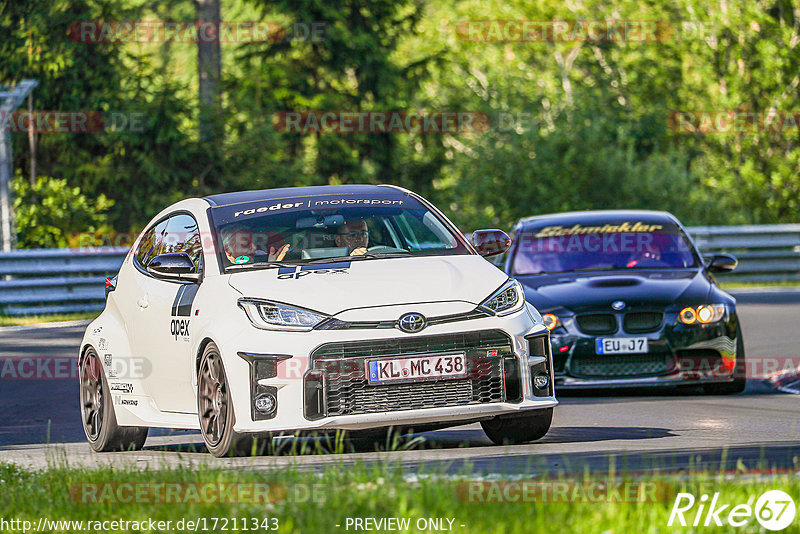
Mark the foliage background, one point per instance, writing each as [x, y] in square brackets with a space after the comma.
[576, 125]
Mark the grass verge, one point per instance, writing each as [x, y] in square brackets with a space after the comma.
[330, 500]
[55, 318]
[755, 285]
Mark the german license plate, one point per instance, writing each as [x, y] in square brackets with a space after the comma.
[621, 345]
[395, 369]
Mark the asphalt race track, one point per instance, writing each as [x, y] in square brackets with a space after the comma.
[640, 431]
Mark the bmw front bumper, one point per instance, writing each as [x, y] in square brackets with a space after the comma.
[677, 354]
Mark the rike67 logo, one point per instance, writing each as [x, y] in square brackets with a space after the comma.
[774, 510]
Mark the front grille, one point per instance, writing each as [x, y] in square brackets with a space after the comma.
[622, 365]
[408, 346]
[597, 323]
[347, 391]
[336, 324]
[642, 322]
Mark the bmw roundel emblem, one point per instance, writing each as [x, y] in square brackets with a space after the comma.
[411, 322]
[618, 305]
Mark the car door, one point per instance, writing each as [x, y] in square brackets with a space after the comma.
[162, 323]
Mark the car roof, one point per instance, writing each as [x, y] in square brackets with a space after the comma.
[598, 216]
[227, 199]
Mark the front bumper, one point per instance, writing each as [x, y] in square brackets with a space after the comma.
[292, 377]
[678, 355]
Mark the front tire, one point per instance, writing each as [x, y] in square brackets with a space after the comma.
[97, 410]
[739, 372]
[505, 430]
[215, 410]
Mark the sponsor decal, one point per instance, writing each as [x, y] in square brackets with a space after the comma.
[182, 305]
[127, 402]
[348, 201]
[97, 330]
[293, 273]
[241, 259]
[259, 208]
[622, 227]
[102, 344]
[274, 207]
[107, 359]
[122, 387]
[491, 353]
[179, 328]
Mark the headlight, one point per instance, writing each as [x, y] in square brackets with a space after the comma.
[703, 314]
[550, 321]
[507, 299]
[277, 316]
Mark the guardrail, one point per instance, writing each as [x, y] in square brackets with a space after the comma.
[38, 282]
[766, 253]
[34, 282]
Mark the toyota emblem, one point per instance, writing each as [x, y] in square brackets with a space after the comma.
[411, 322]
[618, 305]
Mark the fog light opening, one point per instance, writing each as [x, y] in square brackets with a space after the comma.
[541, 381]
[688, 316]
[265, 403]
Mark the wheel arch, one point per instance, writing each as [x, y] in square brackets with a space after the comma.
[84, 349]
[200, 350]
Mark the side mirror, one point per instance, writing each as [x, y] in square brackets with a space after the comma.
[490, 242]
[173, 266]
[722, 263]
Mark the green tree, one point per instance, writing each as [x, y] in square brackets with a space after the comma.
[52, 214]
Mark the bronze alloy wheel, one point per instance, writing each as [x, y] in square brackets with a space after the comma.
[92, 398]
[97, 411]
[215, 411]
[213, 398]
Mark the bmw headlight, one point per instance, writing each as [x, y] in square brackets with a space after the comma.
[703, 314]
[277, 316]
[551, 321]
[508, 299]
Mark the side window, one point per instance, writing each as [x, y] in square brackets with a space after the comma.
[183, 235]
[151, 243]
[425, 233]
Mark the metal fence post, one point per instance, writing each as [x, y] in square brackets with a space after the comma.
[10, 101]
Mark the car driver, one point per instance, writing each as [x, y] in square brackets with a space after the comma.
[354, 235]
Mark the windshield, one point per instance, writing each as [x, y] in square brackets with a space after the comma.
[603, 246]
[317, 229]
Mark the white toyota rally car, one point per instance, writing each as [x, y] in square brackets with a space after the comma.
[312, 309]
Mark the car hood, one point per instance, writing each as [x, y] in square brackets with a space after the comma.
[332, 288]
[579, 292]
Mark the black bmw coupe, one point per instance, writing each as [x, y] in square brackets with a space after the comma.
[629, 301]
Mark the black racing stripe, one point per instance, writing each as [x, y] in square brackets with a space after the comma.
[177, 300]
[187, 298]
